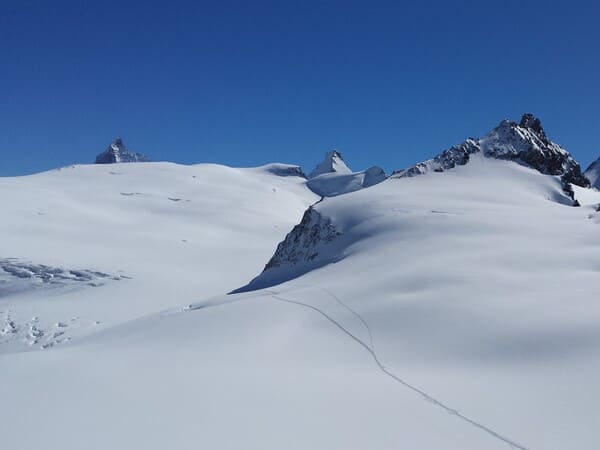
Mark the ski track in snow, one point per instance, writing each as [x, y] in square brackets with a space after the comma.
[356, 314]
[513, 444]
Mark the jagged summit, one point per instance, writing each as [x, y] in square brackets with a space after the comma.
[525, 143]
[534, 124]
[118, 153]
[332, 163]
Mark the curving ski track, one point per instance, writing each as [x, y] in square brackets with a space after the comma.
[393, 376]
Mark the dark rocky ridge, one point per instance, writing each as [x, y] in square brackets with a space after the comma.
[525, 143]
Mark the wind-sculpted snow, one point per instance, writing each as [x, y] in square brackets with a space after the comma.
[525, 143]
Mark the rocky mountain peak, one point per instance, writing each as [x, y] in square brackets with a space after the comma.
[525, 143]
[333, 162]
[534, 124]
[116, 152]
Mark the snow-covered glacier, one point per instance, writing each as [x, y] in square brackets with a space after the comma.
[452, 310]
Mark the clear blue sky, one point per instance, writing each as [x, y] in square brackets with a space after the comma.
[249, 82]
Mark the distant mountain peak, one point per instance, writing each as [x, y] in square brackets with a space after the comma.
[525, 143]
[593, 173]
[332, 163]
[116, 152]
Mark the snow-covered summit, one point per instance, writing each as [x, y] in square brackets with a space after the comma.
[333, 177]
[333, 163]
[525, 143]
[118, 153]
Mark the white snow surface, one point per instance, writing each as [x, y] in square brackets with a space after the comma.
[456, 310]
[169, 234]
[334, 183]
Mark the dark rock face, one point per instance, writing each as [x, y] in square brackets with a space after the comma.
[525, 143]
[530, 121]
[314, 242]
[118, 153]
[302, 243]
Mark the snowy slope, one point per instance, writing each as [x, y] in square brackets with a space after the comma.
[456, 310]
[108, 243]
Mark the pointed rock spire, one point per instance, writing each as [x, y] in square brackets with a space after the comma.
[118, 153]
[534, 124]
[332, 163]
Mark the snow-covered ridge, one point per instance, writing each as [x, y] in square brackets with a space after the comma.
[333, 177]
[332, 184]
[322, 237]
[525, 143]
[118, 153]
